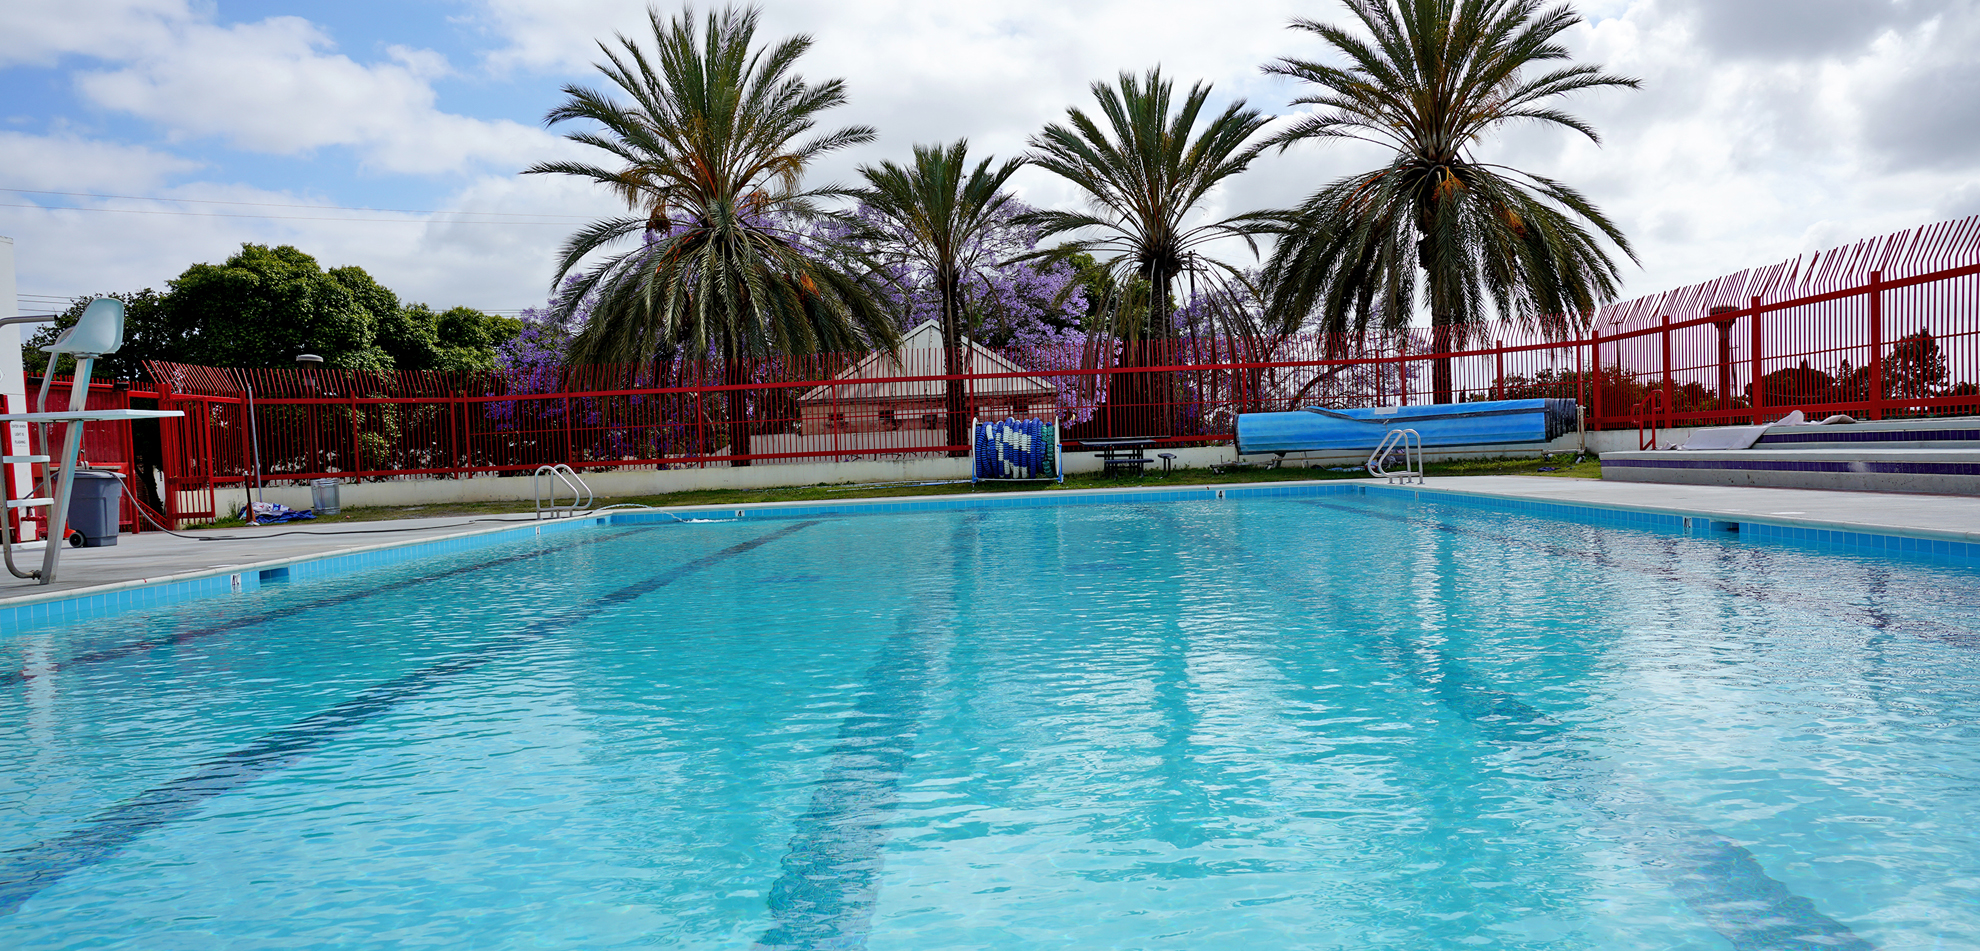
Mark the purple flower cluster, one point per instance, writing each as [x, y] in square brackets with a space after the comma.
[533, 360]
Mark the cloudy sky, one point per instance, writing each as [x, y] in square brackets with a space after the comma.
[1764, 128]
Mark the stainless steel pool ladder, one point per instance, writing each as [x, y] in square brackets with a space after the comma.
[1410, 442]
[581, 497]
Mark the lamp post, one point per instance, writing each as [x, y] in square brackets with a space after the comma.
[308, 362]
[1725, 325]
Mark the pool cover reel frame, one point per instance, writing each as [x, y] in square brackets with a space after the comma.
[1015, 450]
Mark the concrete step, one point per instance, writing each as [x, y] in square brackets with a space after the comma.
[1945, 471]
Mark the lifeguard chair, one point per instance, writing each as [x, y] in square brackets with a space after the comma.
[100, 331]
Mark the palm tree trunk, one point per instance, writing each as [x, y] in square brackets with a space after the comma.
[735, 372]
[1165, 415]
[953, 397]
[1442, 334]
[1442, 316]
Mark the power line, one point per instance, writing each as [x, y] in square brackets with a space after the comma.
[266, 204]
[28, 301]
[264, 216]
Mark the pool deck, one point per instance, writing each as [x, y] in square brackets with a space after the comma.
[155, 556]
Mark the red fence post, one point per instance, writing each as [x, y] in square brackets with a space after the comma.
[1666, 334]
[570, 450]
[1876, 393]
[1758, 402]
[1670, 391]
[357, 430]
[1595, 384]
[1499, 354]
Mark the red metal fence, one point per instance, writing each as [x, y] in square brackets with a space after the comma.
[1887, 327]
[109, 445]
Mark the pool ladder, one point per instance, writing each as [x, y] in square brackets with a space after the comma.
[1410, 443]
[566, 477]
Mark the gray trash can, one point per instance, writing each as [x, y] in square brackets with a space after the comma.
[93, 507]
[323, 496]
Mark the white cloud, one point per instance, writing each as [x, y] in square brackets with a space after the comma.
[1744, 147]
[65, 162]
[276, 86]
[42, 32]
[444, 259]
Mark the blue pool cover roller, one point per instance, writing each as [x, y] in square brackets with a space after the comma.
[1445, 424]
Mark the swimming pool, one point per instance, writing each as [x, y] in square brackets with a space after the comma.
[1331, 722]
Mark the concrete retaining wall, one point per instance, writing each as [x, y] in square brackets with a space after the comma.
[620, 485]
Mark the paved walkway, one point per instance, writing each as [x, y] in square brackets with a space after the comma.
[155, 556]
[1951, 517]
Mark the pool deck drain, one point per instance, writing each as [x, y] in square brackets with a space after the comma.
[154, 557]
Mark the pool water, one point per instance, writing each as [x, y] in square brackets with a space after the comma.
[1339, 722]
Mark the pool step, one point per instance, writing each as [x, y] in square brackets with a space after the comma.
[1939, 471]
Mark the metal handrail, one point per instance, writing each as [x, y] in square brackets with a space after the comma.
[1646, 416]
[1407, 440]
[581, 495]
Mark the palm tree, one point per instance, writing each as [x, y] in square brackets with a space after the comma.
[939, 213]
[709, 152]
[1430, 80]
[1146, 174]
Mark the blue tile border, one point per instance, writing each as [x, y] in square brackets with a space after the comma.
[25, 615]
[63, 609]
[1968, 435]
[1706, 523]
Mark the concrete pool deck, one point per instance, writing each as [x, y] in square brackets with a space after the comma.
[156, 557]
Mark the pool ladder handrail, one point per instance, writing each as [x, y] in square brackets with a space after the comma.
[581, 496]
[1408, 440]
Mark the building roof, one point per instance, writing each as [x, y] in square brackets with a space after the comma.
[922, 350]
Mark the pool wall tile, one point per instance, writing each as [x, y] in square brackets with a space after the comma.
[19, 617]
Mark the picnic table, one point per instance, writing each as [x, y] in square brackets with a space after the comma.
[1122, 454]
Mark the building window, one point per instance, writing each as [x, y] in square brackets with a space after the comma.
[838, 421]
[1020, 407]
[887, 419]
[931, 421]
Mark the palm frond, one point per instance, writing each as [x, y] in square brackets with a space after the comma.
[1435, 227]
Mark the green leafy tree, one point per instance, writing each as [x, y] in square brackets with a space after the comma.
[709, 148]
[1430, 79]
[263, 306]
[146, 332]
[940, 212]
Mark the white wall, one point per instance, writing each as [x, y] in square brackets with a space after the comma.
[620, 485]
[13, 386]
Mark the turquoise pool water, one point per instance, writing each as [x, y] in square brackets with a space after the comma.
[1342, 722]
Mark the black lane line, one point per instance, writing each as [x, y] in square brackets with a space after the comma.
[831, 869]
[1928, 630]
[830, 882]
[1720, 881]
[25, 871]
[11, 677]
